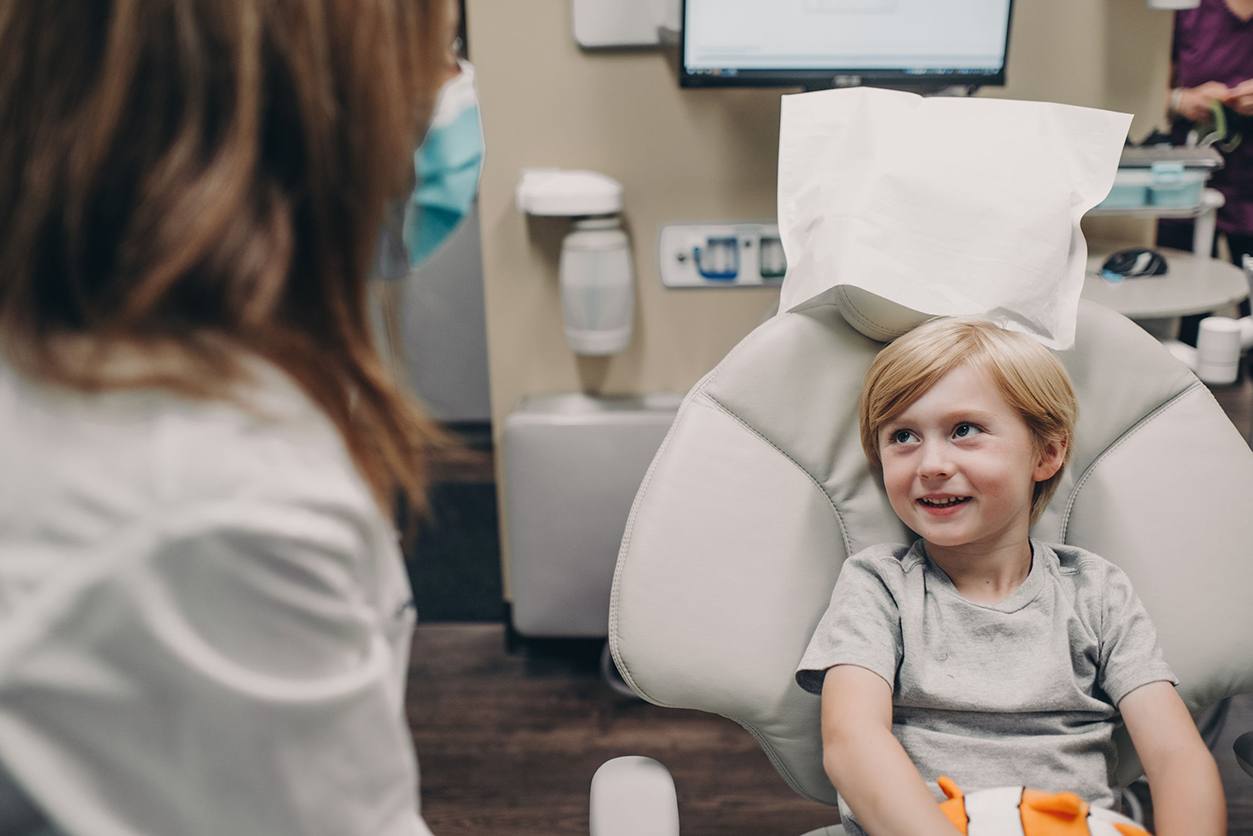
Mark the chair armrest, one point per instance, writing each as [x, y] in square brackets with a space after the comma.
[633, 796]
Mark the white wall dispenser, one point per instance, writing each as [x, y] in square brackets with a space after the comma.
[624, 23]
[597, 288]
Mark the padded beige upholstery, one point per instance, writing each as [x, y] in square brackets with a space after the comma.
[761, 490]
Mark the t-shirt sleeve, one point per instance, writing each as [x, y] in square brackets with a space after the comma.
[1130, 655]
[862, 624]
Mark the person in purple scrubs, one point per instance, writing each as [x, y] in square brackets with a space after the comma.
[1212, 61]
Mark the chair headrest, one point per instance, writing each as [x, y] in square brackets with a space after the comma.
[873, 316]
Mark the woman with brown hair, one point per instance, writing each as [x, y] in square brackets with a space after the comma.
[204, 616]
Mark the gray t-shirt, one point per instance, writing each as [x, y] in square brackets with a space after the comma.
[1021, 692]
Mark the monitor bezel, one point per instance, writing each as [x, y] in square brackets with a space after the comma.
[835, 77]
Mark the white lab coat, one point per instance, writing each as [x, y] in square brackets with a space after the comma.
[204, 619]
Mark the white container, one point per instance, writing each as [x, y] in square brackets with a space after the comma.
[1218, 350]
[597, 293]
[573, 464]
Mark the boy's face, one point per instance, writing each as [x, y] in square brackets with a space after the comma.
[960, 465]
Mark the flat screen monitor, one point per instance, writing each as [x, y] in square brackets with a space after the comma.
[816, 44]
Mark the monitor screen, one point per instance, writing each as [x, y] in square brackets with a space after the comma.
[818, 44]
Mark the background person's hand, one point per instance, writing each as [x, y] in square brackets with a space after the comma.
[1196, 103]
[1240, 98]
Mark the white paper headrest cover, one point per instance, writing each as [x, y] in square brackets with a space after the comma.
[943, 206]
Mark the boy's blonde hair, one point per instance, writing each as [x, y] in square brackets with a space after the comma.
[1030, 379]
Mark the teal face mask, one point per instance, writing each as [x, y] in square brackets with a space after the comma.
[448, 165]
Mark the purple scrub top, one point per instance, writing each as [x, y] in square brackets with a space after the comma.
[1212, 44]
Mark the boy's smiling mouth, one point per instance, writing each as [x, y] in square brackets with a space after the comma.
[943, 502]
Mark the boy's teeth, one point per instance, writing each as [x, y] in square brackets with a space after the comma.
[940, 503]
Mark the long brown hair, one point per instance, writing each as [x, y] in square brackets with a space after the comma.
[196, 181]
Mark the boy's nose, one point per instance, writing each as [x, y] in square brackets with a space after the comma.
[935, 461]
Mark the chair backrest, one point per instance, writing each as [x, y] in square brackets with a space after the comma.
[761, 490]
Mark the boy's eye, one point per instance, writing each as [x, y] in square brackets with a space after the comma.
[965, 431]
[901, 437]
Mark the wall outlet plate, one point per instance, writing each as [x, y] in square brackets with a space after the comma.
[721, 255]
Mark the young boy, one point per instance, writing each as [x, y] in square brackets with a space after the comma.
[977, 652]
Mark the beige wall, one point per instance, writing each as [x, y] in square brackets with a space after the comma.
[690, 156]
[1111, 54]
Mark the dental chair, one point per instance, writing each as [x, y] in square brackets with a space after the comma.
[761, 490]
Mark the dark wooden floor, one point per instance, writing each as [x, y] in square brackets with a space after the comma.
[508, 742]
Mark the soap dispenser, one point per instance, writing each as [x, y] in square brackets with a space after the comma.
[595, 274]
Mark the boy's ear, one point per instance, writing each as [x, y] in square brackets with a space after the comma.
[1052, 457]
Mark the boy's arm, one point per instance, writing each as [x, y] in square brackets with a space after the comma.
[1183, 778]
[866, 763]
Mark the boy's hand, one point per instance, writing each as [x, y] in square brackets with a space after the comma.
[1183, 779]
[866, 763]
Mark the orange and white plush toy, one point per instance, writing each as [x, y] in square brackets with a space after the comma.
[1015, 811]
